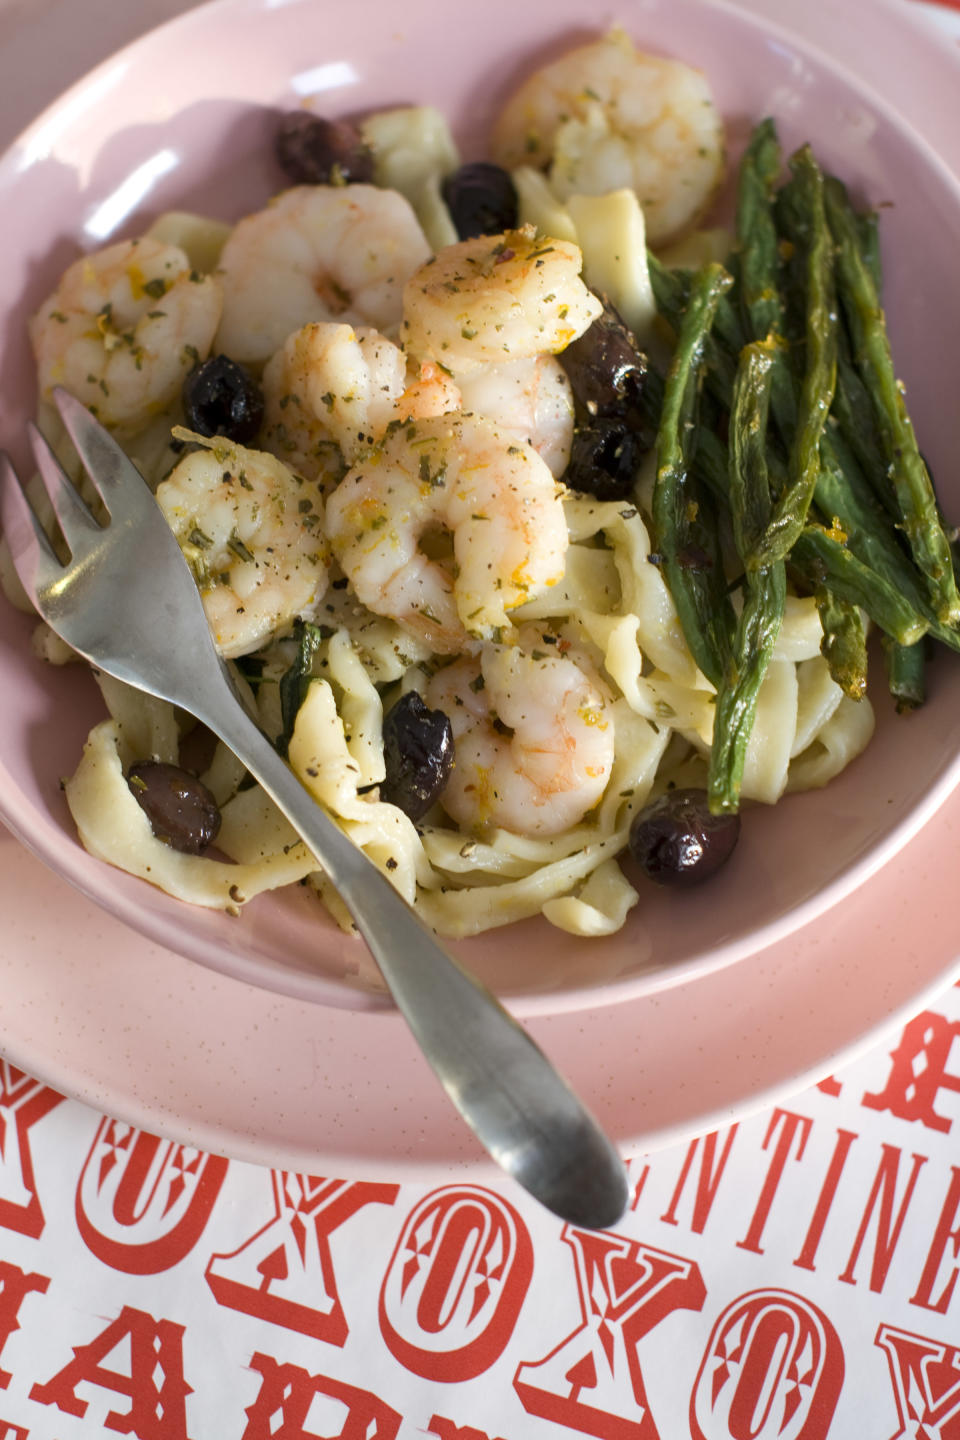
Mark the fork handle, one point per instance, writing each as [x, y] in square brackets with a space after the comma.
[508, 1092]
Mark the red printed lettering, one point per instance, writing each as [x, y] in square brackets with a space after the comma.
[918, 1072]
[792, 1126]
[805, 1260]
[155, 1386]
[592, 1381]
[773, 1367]
[23, 1101]
[284, 1273]
[9, 1431]
[447, 1430]
[636, 1185]
[946, 1233]
[888, 1230]
[707, 1183]
[290, 1398]
[14, 1285]
[926, 1385]
[455, 1284]
[142, 1203]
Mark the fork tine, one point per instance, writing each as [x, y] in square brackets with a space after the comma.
[34, 558]
[76, 521]
[116, 479]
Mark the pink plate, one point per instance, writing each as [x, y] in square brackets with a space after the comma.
[100, 1012]
[163, 125]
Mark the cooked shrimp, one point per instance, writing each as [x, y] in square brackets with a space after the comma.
[124, 327]
[429, 392]
[456, 474]
[531, 399]
[533, 739]
[328, 391]
[317, 252]
[609, 117]
[253, 533]
[331, 390]
[496, 298]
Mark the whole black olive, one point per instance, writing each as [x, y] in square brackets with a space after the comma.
[607, 372]
[220, 397]
[180, 808]
[676, 841]
[418, 752]
[315, 151]
[482, 200]
[604, 459]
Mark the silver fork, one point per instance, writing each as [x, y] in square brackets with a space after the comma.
[127, 602]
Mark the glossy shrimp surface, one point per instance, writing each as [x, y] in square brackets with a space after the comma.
[123, 329]
[317, 252]
[447, 526]
[328, 391]
[530, 399]
[496, 298]
[606, 117]
[533, 738]
[252, 531]
[331, 391]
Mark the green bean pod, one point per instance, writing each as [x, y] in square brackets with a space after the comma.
[844, 495]
[758, 249]
[820, 367]
[871, 350]
[758, 245]
[844, 644]
[765, 591]
[906, 673]
[687, 544]
[853, 411]
[822, 558]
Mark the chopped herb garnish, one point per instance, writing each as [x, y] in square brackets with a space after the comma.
[239, 549]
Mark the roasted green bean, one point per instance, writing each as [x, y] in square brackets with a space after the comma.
[822, 558]
[906, 673]
[871, 352]
[844, 645]
[765, 591]
[687, 542]
[809, 232]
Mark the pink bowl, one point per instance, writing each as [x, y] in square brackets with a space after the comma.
[163, 125]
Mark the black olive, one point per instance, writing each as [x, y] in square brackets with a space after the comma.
[418, 752]
[220, 397]
[606, 370]
[482, 200]
[676, 841]
[314, 151]
[604, 459]
[180, 808]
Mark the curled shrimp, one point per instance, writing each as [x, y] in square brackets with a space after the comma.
[123, 329]
[530, 399]
[252, 531]
[533, 739]
[449, 476]
[496, 298]
[328, 391]
[331, 390]
[317, 252]
[605, 117]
